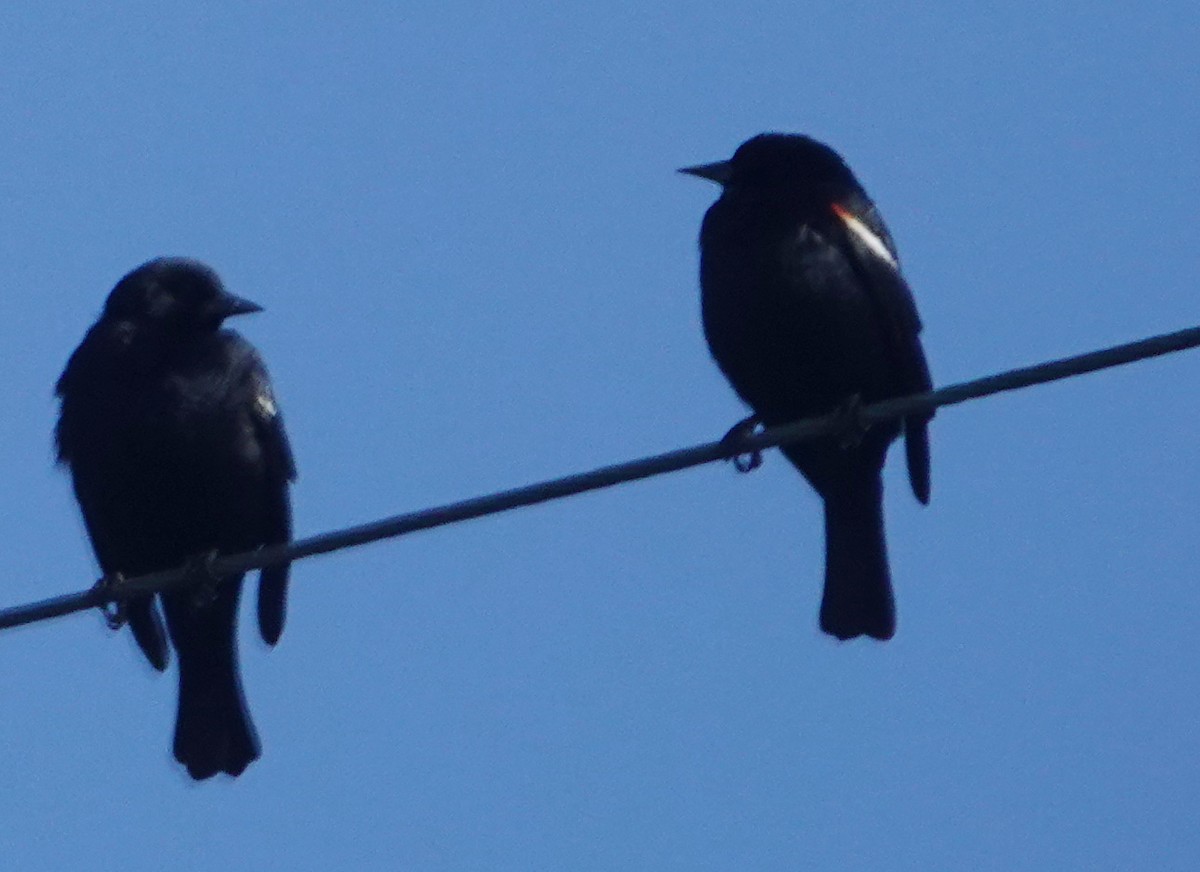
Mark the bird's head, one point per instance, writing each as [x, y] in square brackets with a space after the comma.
[174, 295]
[783, 163]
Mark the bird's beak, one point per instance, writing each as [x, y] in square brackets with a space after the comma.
[715, 172]
[229, 305]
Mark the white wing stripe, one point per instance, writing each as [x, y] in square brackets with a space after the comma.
[869, 239]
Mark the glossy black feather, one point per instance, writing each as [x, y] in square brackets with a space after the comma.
[280, 468]
[880, 277]
[804, 308]
[176, 449]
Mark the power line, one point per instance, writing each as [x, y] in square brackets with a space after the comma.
[490, 504]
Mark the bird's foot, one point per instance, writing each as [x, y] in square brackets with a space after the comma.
[111, 606]
[750, 460]
[202, 580]
[851, 427]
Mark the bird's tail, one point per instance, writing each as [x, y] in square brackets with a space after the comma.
[213, 729]
[858, 588]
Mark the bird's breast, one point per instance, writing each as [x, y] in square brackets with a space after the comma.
[789, 322]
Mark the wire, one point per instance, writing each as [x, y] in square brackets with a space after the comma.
[103, 593]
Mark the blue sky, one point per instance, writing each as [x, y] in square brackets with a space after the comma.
[479, 269]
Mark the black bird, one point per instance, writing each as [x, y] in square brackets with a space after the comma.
[806, 312]
[176, 449]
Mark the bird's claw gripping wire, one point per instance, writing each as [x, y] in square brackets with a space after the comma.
[111, 606]
[851, 427]
[738, 433]
[202, 580]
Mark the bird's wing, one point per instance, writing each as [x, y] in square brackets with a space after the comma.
[874, 257]
[102, 516]
[279, 471]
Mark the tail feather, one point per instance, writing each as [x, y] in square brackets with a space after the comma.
[858, 587]
[213, 732]
[213, 729]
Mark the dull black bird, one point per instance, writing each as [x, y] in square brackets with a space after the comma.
[177, 450]
[806, 312]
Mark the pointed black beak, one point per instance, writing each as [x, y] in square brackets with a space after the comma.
[228, 305]
[715, 172]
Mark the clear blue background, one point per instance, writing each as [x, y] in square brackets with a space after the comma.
[479, 269]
